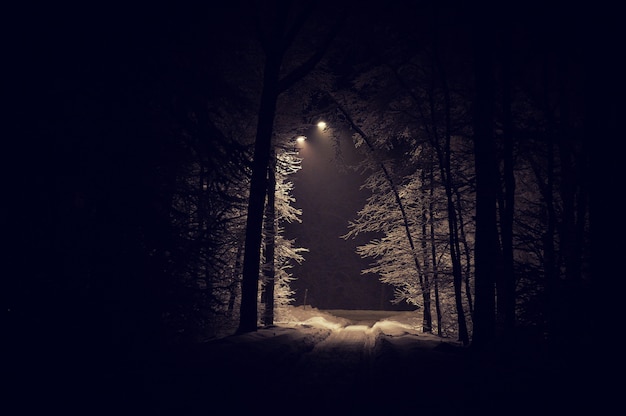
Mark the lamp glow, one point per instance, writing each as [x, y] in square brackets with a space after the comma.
[321, 125]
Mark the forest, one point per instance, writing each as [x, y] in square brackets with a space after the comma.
[151, 151]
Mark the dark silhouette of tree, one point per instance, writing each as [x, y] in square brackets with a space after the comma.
[269, 271]
[433, 243]
[505, 284]
[443, 152]
[277, 34]
[487, 248]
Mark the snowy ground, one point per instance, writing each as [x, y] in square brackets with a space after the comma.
[316, 363]
[313, 361]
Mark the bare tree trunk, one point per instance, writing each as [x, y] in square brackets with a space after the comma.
[270, 242]
[443, 156]
[487, 253]
[235, 284]
[437, 302]
[258, 189]
[505, 283]
[573, 196]
[467, 254]
[427, 325]
[457, 274]
[547, 191]
[433, 248]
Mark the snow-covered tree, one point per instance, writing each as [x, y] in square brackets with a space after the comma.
[392, 255]
[279, 253]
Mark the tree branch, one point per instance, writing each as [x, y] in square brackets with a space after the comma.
[301, 71]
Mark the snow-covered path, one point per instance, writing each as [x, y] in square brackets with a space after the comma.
[314, 366]
[319, 364]
[340, 363]
[362, 364]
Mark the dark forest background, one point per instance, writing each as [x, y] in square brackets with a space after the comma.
[107, 119]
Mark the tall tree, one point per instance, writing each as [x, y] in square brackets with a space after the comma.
[269, 270]
[505, 284]
[433, 243]
[400, 205]
[278, 251]
[487, 251]
[284, 20]
[443, 152]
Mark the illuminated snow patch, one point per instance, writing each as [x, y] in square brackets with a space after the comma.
[318, 321]
[361, 328]
[394, 328]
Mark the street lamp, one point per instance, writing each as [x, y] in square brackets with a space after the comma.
[299, 143]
